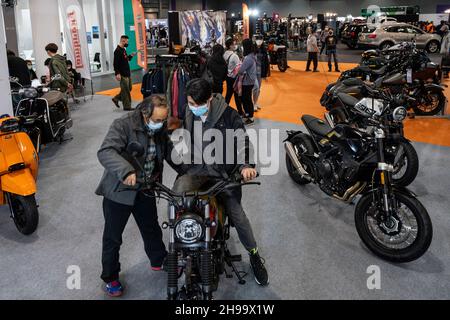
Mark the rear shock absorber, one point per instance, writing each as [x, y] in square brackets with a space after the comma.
[172, 282]
[206, 265]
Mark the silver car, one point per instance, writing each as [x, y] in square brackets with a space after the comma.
[387, 35]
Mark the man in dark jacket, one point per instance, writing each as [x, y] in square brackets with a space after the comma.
[18, 68]
[210, 111]
[57, 66]
[331, 46]
[123, 74]
[145, 125]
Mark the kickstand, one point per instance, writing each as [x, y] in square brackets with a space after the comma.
[229, 259]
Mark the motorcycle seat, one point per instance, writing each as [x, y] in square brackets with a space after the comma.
[353, 82]
[347, 99]
[316, 125]
[53, 97]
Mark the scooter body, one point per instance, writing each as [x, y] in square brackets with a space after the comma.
[19, 163]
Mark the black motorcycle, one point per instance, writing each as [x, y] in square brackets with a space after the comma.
[346, 162]
[198, 234]
[45, 113]
[278, 55]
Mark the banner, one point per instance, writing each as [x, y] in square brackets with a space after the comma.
[205, 27]
[141, 33]
[246, 21]
[75, 36]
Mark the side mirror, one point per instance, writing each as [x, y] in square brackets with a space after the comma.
[56, 77]
[135, 149]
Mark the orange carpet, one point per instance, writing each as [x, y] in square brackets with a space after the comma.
[287, 96]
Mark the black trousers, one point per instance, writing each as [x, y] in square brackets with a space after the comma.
[230, 92]
[116, 217]
[217, 87]
[312, 56]
[247, 100]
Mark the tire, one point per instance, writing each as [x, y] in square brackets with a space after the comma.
[386, 45]
[433, 46]
[297, 140]
[432, 93]
[412, 165]
[409, 253]
[26, 215]
[282, 65]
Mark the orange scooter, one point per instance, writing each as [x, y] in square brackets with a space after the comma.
[18, 171]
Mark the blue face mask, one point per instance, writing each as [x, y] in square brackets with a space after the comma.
[153, 126]
[199, 111]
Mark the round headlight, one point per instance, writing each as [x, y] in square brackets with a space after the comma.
[189, 229]
[399, 114]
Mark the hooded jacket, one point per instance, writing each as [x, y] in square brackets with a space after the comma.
[220, 117]
[58, 66]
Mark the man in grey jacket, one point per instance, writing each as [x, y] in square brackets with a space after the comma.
[145, 125]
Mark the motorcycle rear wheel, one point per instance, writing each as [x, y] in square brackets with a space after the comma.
[404, 245]
[26, 214]
[434, 105]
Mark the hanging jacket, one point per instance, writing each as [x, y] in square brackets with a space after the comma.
[175, 94]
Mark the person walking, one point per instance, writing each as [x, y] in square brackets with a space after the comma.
[331, 46]
[233, 62]
[123, 74]
[312, 49]
[248, 71]
[218, 68]
[57, 66]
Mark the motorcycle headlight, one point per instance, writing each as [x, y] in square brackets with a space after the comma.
[399, 114]
[189, 229]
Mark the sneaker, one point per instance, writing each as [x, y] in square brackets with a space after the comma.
[249, 122]
[162, 267]
[307, 70]
[259, 271]
[337, 70]
[116, 102]
[114, 289]
[316, 70]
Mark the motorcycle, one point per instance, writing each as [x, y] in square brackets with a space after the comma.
[344, 108]
[50, 111]
[199, 231]
[278, 56]
[346, 162]
[18, 173]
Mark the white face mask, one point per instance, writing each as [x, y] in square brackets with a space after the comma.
[259, 43]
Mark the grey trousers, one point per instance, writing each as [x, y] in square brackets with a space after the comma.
[231, 202]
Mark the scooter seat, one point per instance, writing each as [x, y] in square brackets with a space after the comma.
[347, 99]
[316, 125]
[53, 97]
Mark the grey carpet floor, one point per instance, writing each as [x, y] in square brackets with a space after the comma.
[309, 241]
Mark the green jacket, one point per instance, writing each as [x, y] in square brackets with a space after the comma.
[58, 66]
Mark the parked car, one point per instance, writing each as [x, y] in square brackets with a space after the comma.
[386, 36]
[350, 34]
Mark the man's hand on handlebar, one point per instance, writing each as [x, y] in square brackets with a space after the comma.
[249, 174]
[130, 180]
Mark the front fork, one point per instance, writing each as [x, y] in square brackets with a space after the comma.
[206, 257]
[172, 259]
[385, 170]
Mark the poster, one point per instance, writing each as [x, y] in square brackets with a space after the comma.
[96, 32]
[141, 33]
[89, 37]
[205, 27]
[246, 21]
[75, 35]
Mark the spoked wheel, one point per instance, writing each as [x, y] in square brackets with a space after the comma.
[25, 213]
[431, 102]
[406, 163]
[282, 64]
[403, 237]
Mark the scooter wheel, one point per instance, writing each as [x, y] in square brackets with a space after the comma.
[26, 215]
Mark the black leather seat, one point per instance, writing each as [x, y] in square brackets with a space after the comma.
[353, 82]
[396, 79]
[316, 125]
[347, 99]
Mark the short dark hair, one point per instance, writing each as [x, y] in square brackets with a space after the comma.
[229, 43]
[150, 103]
[248, 46]
[69, 63]
[124, 37]
[199, 90]
[52, 47]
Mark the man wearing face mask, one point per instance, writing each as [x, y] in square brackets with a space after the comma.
[146, 125]
[123, 74]
[210, 111]
[331, 45]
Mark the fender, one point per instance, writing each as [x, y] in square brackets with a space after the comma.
[434, 86]
[20, 182]
[395, 188]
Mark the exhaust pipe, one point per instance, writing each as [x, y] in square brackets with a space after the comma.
[289, 147]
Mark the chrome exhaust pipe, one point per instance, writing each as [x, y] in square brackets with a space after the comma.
[329, 120]
[289, 147]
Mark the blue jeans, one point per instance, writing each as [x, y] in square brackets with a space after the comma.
[330, 53]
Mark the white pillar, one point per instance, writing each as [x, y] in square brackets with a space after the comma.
[5, 89]
[46, 29]
[101, 25]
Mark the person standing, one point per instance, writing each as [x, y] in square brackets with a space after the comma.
[18, 68]
[312, 49]
[323, 36]
[262, 70]
[147, 126]
[33, 75]
[248, 71]
[218, 68]
[57, 66]
[331, 45]
[233, 63]
[123, 74]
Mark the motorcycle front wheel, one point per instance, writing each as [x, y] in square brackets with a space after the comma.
[25, 211]
[403, 237]
[406, 163]
[430, 102]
